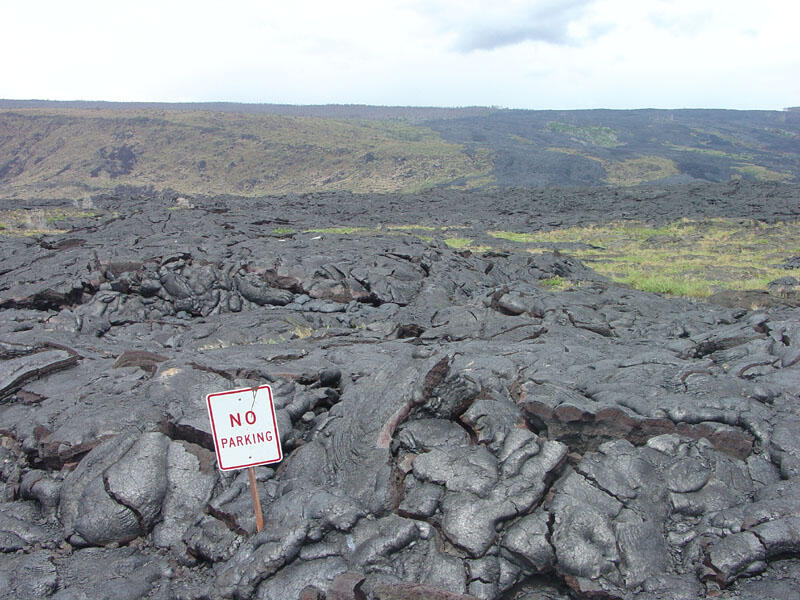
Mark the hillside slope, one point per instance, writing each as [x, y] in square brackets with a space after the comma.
[67, 152]
[73, 149]
[614, 147]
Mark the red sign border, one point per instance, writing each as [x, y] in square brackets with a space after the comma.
[214, 428]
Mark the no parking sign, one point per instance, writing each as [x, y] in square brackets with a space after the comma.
[244, 427]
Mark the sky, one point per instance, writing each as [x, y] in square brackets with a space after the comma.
[535, 54]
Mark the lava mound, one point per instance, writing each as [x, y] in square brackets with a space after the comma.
[451, 427]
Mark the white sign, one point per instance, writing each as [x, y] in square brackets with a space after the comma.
[244, 427]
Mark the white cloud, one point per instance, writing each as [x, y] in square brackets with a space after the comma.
[481, 25]
[531, 54]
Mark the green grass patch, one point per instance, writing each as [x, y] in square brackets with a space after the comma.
[463, 243]
[411, 228]
[593, 134]
[708, 152]
[633, 171]
[557, 283]
[709, 134]
[673, 286]
[54, 215]
[339, 230]
[512, 236]
[682, 258]
[519, 139]
[638, 170]
[458, 242]
[41, 221]
[283, 231]
[762, 173]
[476, 182]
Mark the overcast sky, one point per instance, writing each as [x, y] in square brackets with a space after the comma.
[540, 54]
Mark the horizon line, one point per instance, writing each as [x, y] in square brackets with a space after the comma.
[493, 108]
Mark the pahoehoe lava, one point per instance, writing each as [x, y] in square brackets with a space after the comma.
[451, 427]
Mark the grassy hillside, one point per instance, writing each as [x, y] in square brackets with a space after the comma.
[623, 148]
[74, 149]
[67, 152]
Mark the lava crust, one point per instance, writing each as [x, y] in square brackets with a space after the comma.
[451, 427]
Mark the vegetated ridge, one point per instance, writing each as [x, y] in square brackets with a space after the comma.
[71, 149]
